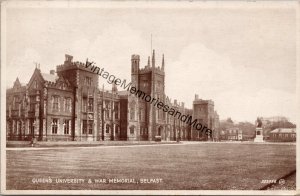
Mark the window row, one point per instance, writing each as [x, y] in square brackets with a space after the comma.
[143, 130]
[67, 104]
[285, 135]
[141, 114]
[87, 126]
[55, 125]
[87, 104]
[108, 129]
[108, 110]
[88, 81]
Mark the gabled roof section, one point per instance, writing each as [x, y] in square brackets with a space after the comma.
[58, 82]
[17, 87]
[17, 83]
[36, 76]
[63, 80]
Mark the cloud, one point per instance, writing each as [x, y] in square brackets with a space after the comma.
[265, 102]
[200, 70]
[112, 50]
[241, 92]
[238, 91]
[18, 66]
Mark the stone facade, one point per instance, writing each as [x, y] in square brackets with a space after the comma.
[69, 105]
[203, 111]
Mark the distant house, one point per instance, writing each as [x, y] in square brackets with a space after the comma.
[233, 134]
[283, 135]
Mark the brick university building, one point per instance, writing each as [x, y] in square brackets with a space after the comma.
[67, 104]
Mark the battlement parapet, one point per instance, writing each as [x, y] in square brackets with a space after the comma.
[135, 57]
[73, 65]
[201, 101]
[148, 69]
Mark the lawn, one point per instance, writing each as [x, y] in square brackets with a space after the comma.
[203, 166]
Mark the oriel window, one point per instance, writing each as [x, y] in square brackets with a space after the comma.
[55, 102]
[107, 128]
[88, 81]
[84, 104]
[68, 105]
[90, 105]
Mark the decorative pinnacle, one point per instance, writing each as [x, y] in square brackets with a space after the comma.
[153, 59]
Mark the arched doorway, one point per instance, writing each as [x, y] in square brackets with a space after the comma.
[160, 133]
[159, 130]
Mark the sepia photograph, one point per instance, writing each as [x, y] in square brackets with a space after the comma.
[149, 97]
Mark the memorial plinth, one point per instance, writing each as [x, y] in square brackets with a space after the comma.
[259, 135]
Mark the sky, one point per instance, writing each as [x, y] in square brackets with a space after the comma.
[244, 59]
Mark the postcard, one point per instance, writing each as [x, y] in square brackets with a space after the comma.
[149, 97]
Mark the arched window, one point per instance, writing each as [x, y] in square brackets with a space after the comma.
[142, 114]
[35, 84]
[159, 131]
[132, 130]
[91, 105]
[141, 130]
[16, 102]
[132, 110]
[132, 113]
[117, 129]
[68, 103]
[107, 128]
[54, 124]
[107, 110]
[55, 102]
[116, 110]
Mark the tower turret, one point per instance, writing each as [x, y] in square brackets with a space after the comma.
[68, 58]
[135, 63]
[135, 66]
